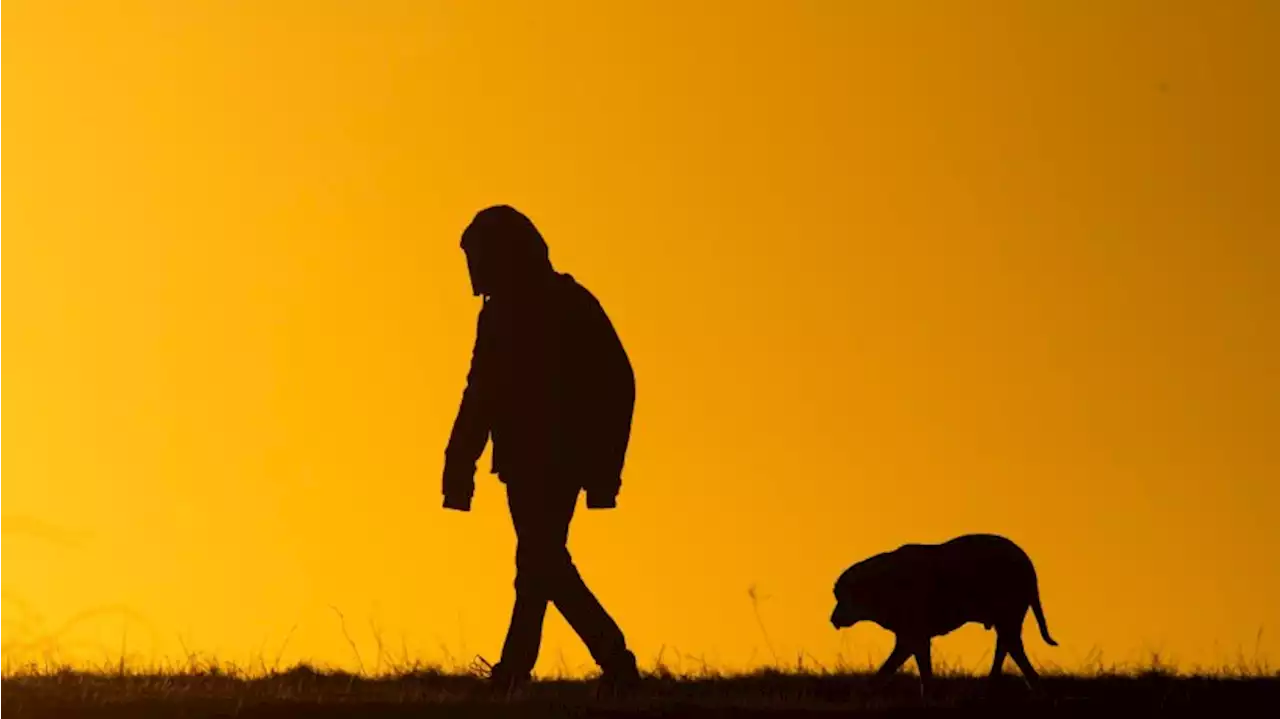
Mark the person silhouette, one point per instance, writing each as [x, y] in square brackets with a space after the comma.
[552, 386]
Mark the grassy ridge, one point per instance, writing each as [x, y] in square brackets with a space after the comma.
[304, 691]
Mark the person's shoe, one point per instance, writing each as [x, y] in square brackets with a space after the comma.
[503, 683]
[620, 679]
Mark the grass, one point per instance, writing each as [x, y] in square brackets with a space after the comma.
[386, 686]
[210, 689]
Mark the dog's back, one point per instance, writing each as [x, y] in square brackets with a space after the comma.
[982, 578]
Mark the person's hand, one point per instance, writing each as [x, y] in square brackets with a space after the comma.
[458, 502]
[602, 499]
[458, 486]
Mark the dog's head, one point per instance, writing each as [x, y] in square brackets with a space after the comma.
[858, 591]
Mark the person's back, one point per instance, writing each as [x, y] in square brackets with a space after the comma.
[563, 389]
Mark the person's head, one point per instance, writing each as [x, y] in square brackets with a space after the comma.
[505, 252]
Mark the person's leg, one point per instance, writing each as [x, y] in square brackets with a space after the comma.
[524, 634]
[573, 599]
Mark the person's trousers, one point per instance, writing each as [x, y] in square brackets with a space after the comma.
[545, 573]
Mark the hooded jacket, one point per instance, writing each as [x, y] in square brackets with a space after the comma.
[552, 386]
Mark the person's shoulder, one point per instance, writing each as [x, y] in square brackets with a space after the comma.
[568, 281]
[576, 291]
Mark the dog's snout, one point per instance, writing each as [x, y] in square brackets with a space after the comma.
[838, 620]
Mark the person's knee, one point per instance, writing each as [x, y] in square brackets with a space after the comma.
[542, 567]
[531, 585]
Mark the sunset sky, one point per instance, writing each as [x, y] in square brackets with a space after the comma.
[887, 271]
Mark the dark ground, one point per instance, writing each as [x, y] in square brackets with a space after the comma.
[303, 692]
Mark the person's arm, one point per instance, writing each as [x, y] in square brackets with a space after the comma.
[471, 426]
[618, 391]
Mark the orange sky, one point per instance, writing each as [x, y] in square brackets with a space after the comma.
[888, 272]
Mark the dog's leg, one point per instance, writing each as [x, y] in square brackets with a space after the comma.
[997, 666]
[924, 664]
[997, 662]
[1019, 654]
[900, 654]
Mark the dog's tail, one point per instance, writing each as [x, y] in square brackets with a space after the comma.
[1039, 612]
